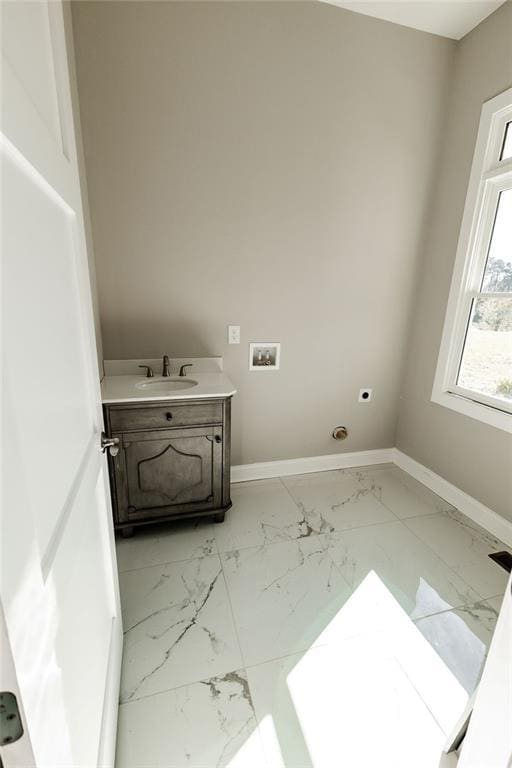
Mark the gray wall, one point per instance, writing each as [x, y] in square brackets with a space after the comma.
[472, 455]
[268, 165]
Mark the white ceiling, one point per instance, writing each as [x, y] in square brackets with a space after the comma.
[449, 18]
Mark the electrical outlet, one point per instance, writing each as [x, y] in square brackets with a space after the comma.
[233, 334]
[365, 395]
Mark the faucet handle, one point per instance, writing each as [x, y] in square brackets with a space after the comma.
[166, 371]
[149, 371]
[182, 369]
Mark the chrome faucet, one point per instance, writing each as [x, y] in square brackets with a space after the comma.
[166, 369]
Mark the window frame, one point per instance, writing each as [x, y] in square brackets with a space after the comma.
[489, 177]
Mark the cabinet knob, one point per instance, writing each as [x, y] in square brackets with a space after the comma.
[168, 416]
[218, 439]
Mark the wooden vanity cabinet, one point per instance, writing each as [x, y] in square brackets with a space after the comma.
[173, 460]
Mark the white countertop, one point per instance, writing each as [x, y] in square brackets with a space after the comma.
[123, 389]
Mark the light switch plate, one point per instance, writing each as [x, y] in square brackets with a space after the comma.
[233, 334]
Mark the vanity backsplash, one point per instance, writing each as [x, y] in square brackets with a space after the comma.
[132, 367]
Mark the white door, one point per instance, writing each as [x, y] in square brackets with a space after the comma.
[58, 587]
[488, 742]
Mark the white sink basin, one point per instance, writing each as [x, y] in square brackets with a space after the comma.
[164, 385]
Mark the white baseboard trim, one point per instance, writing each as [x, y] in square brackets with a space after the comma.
[475, 510]
[267, 469]
[484, 516]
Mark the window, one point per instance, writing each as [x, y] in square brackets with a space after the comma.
[474, 372]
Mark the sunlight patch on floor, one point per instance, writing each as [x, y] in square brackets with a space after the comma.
[376, 696]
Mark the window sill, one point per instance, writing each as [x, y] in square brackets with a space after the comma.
[484, 413]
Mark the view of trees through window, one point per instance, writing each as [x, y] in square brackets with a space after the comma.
[486, 364]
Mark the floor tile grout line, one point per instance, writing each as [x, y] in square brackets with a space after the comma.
[244, 667]
[354, 527]
[232, 612]
[300, 651]
[473, 526]
[410, 517]
[359, 470]
[457, 607]
[168, 562]
[411, 683]
[478, 529]
[314, 535]
[349, 471]
[179, 687]
[452, 609]
[338, 531]
[237, 638]
[244, 664]
[283, 484]
[354, 477]
[337, 569]
[247, 666]
[269, 661]
[219, 554]
[386, 506]
[204, 680]
[379, 500]
[450, 567]
[290, 494]
[296, 540]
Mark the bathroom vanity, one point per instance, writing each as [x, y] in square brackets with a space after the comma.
[170, 457]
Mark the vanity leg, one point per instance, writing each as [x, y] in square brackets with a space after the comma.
[126, 533]
[219, 517]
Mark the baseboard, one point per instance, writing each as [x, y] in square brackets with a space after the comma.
[484, 516]
[267, 469]
[475, 510]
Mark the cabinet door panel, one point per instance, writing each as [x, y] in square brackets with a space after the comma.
[171, 471]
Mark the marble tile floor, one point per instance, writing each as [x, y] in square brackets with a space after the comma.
[339, 618]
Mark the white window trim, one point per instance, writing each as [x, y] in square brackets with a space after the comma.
[488, 176]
